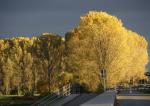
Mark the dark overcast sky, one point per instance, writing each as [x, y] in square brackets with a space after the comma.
[32, 17]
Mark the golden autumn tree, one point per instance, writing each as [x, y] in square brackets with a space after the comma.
[138, 51]
[25, 62]
[102, 42]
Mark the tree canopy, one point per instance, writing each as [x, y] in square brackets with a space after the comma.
[31, 64]
[45, 63]
[101, 41]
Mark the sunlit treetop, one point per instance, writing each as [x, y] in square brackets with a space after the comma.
[99, 18]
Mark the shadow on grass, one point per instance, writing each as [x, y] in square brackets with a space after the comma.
[16, 100]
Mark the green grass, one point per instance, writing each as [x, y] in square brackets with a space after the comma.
[13, 100]
[146, 91]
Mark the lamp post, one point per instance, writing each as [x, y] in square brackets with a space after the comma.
[103, 75]
[131, 84]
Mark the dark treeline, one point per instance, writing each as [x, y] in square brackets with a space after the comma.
[31, 65]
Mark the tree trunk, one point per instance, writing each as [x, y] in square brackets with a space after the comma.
[18, 89]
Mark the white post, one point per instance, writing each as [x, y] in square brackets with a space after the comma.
[130, 89]
[69, 89]
[63, 90]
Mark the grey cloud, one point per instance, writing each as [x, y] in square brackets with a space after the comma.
[36, 16]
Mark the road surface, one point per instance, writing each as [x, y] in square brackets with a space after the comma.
[133, 99]
[80, 99]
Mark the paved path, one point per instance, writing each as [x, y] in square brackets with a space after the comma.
[64, 100]
[80, 99]
[134, 99]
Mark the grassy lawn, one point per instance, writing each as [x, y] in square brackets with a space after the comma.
[14, 100]
[146, 91]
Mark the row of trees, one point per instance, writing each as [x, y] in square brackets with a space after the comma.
[47, 62]
[31, 64]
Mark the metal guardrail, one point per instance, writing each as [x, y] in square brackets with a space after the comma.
[47, 100]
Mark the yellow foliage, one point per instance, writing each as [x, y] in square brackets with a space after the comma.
[102, 42]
